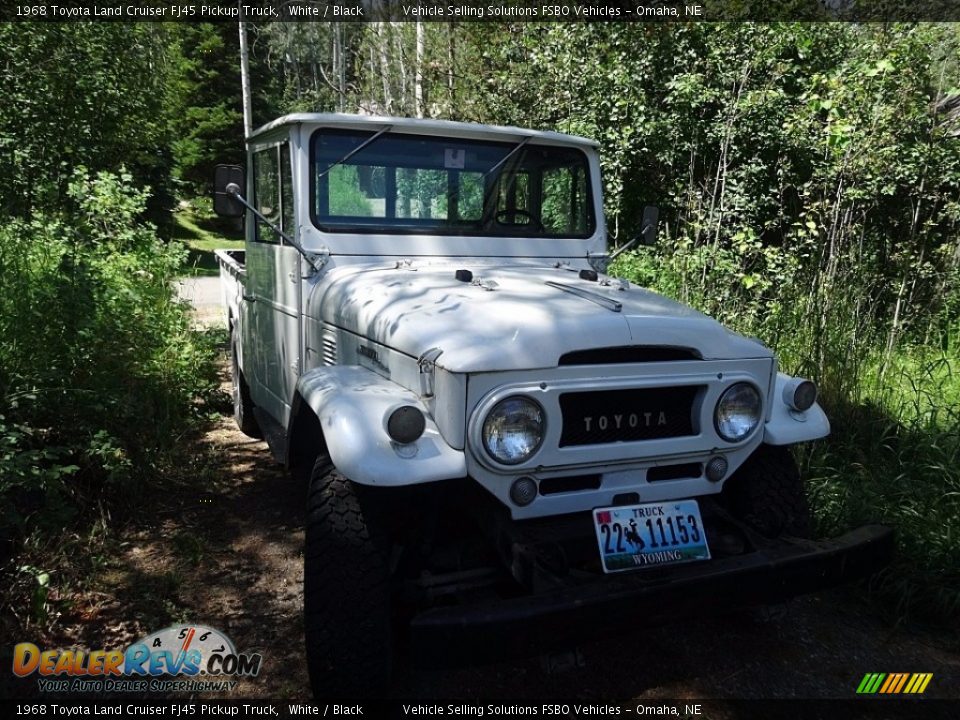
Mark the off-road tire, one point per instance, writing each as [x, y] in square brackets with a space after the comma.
[346, 592]
[242, 404]
[767, 494]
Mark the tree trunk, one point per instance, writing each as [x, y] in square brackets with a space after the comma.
[418, 72]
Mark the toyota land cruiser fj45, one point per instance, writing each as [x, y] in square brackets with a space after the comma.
[505, 447]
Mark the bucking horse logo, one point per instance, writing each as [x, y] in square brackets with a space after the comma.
[633, 536]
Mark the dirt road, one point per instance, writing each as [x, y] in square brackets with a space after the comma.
[203, 293]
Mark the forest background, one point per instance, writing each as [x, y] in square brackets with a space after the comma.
[807, 175]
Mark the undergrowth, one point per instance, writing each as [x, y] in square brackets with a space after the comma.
[102, 377]
[893, 454]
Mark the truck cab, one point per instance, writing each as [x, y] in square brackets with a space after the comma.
[499, 439]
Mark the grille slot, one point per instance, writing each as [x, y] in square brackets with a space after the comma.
[627, 354]
[551, 486]
[674, 472]
[329, 351]
[609, 416]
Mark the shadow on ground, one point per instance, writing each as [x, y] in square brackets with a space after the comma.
[224, 549]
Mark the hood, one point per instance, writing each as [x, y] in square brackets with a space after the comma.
[512, 318]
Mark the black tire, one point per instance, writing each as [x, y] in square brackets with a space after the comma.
[242, 404]
[346, 592]
[767, 494]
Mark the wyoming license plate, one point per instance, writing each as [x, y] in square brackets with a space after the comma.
[649, 535]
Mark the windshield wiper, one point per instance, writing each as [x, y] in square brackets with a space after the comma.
[353, 152]
[506, 157]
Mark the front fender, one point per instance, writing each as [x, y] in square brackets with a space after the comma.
[787, 426]
[352, 404]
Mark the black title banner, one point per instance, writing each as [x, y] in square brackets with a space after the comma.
[483, 11]
[917, 708]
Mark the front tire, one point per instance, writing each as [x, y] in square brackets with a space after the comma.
[346, 593]
[767, 494]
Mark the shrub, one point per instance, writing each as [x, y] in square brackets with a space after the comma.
[99, 368]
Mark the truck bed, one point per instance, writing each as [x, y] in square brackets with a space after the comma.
[233, 276]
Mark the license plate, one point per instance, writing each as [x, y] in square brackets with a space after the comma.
[649, 535]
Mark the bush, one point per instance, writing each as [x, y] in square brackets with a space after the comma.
[894, 447]
[100, 371]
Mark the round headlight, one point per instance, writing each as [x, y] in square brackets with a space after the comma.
[738, 412]
[513, 430]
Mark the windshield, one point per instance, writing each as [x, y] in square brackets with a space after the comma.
[398, 183]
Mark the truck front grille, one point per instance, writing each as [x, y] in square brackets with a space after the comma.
[610, 416]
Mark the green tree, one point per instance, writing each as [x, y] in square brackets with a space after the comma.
[92, 94]
[209, 128]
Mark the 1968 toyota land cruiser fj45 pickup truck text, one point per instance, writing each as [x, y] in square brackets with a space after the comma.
[505, 447]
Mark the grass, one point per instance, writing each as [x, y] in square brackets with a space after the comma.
[893, 454]
[203, 233]
[894, 457]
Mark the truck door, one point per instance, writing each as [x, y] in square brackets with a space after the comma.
[273, 284]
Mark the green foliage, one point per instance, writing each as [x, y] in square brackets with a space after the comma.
[92, 94]
[893, 457]
[346, 197]
[99, 369]
[809, 194]
[209, 129]
[39, 590]
[303, 67]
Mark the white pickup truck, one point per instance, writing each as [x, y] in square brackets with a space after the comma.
[506, 449]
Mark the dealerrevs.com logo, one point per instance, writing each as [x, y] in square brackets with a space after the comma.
[203, 657]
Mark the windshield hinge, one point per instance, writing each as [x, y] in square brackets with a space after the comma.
[316, 261]
[599, 261]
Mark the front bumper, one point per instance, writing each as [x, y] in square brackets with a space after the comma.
[533, 624]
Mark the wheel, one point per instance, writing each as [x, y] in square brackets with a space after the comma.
[767, 494]
[346, 593]
[242, 404]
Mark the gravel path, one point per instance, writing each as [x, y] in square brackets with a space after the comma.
[203, 292]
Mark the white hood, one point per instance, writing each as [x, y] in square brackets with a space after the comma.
[512, 319]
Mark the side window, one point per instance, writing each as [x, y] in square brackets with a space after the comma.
[286, 190]
[266, 192]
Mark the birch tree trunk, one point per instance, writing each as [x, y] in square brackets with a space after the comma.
[418, 72]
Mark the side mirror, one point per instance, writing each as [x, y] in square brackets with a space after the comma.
[648, 232]
[228, 180]
[648, 226]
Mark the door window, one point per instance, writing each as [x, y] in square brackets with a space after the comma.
[273, 191]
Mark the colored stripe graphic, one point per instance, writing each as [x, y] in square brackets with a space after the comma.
[894, 683]
[918, 683]
[903, 681]
[892, 679]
